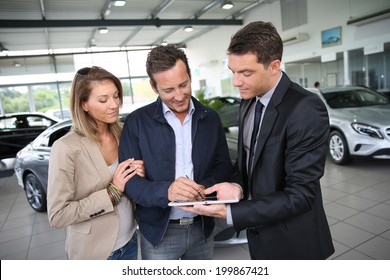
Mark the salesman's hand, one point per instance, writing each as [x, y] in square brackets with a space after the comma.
[212, 210]
[225, 191]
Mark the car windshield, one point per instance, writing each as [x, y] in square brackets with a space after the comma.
[354, 98]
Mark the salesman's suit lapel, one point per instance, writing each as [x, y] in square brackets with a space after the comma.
[270, 115]
[267, 123]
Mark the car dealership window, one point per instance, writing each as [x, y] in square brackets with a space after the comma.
[371, 70]
[33, 87]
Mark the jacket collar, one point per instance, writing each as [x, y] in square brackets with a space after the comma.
[200, 111]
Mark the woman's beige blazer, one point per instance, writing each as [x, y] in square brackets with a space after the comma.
[77, 198]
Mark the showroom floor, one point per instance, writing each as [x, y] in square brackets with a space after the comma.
[356, 198]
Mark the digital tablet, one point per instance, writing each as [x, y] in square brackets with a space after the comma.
[204, 202]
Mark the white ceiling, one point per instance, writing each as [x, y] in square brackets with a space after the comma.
[62, 24]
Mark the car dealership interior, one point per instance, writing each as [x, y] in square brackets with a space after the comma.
[338, 43]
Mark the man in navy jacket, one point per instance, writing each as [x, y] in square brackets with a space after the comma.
[184, 149]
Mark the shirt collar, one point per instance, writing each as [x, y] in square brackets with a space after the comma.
[166, 110]
[267, 97]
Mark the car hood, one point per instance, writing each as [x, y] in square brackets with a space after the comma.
[373, 115]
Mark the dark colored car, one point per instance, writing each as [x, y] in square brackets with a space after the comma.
[19, 129]
[385, 92]
[31, 169]
[227, 108]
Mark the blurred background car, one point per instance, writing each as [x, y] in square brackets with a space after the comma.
[32, 163]
[63, 114]
[227, 107]
[231, 134]
[226, 100]
[19, 129]
[31, 170]
[385, 92]
[359, 121]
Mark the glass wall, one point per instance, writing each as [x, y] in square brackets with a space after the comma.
[42, 83]
[372, 70]
[357, 67]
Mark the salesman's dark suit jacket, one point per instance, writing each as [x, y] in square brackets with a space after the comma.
[285, 217]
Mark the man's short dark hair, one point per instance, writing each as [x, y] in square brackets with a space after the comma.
[163, 58]
[259, 38]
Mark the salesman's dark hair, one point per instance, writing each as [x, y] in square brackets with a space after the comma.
[259, 38]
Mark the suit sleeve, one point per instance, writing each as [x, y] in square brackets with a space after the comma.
[290, 182]
[148, 193]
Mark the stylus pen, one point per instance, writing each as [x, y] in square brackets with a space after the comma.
[197, 191]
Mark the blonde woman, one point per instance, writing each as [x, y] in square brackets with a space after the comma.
[86, 183]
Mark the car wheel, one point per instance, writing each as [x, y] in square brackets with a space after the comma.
[338, 148]
[35, 193]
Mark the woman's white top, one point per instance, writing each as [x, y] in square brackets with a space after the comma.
[127, 224]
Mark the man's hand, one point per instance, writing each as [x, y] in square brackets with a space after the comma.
[225, 191]
[185, 189]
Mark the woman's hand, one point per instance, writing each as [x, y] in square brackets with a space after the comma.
[139, 167]
[126, 170]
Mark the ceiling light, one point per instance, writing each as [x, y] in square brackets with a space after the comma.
[103, 30]
[227, 5]
[17, 64]
[107, 12]
[119, 3]
[188, 28]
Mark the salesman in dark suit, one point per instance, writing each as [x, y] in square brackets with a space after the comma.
[278, 169]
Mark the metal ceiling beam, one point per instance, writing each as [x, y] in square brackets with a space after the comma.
[164, 5]
[118, 22]
[232, 16]
[199, 13]
[250, 7]
[43, 13]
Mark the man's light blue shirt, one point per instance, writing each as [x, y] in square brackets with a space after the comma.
[183, 143]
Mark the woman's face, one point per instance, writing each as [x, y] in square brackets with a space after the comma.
[103, 103]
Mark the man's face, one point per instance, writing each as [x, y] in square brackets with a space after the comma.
[174, 88]
[250, 76]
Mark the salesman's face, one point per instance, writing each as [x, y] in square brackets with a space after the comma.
[251, 77]
[174, 88]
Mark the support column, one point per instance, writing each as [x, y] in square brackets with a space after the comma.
[347, 81]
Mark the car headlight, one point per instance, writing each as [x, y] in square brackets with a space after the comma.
[367, 130]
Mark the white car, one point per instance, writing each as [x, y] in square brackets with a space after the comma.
[359, 120]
